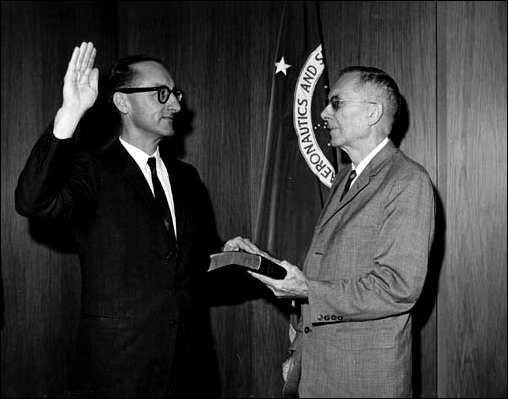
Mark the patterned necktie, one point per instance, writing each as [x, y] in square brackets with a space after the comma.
[161, 199]
[350, 179]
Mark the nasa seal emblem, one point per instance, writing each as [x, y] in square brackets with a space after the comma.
[302, 118]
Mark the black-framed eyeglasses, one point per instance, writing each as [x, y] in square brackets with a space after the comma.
[163, 92]
[336, 103]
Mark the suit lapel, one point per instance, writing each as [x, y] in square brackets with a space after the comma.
[333, 198]
[130, 170]
[334, 204]
[132, 174]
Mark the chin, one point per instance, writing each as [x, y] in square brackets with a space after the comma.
[334, 143]
[168, 132]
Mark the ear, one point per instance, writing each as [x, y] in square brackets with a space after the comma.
[120, 101]
[375, 113]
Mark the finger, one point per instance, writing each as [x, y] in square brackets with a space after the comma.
[266, 280]
[89, 59]
[231, 245]
[71, 67]
[92, 58]
[79, 64]
[249, 244]
[237, 243]
[268, 256]
[254, 248]
[255, 275]
[81, 55]
[74, 57]
[89, 51]
[85, 62]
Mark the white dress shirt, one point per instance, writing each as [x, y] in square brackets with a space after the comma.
[141, 159]
[365, 161]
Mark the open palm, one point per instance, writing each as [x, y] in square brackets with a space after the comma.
[81, 80]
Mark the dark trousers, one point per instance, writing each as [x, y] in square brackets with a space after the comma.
[188, 379]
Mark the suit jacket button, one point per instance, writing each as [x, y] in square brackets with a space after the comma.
[307, 330]
[334, 317]
[169, 255]
[173, 324]
[320, 317]
[339, 317]
[327, 317]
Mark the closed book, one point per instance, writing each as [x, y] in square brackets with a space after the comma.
[255, 263]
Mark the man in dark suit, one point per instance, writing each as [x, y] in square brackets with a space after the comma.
[144, 236]
[367, 262]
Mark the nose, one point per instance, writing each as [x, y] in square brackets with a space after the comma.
[173, 104]
[325, 114]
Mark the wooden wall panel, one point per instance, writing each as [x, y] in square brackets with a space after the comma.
[398, 37]
[449, 59]
[25, 263]
[472, 167]
[40, 272]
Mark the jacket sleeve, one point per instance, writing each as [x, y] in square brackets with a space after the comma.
[49, 185]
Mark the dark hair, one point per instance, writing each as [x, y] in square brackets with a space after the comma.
[381, 80]
[123, 75]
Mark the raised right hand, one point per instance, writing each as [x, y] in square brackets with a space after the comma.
[80, 90]
[81, 80]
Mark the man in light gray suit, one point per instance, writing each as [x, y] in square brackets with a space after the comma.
[367, 262]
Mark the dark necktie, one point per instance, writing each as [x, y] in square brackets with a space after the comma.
[161, 199]
[350, 179]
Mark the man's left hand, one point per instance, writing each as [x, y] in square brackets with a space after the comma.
[294, 285]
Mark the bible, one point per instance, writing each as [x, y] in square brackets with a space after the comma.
[253, 262]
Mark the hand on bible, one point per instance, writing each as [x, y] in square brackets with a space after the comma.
[244, 244]
[294, 285]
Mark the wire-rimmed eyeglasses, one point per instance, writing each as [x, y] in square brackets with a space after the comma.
[336, 103]
[163, 92]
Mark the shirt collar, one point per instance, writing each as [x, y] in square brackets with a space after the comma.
[139, 156]
[365, 161]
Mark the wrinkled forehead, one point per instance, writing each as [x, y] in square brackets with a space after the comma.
[151, 73]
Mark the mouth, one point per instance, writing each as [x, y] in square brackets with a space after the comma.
[329, 127]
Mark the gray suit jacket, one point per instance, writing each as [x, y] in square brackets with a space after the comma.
[366, 267]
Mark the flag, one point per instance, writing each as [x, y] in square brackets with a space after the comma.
[297, 172]
[299, 166]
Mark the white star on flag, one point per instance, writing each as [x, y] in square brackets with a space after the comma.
[281, 66]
